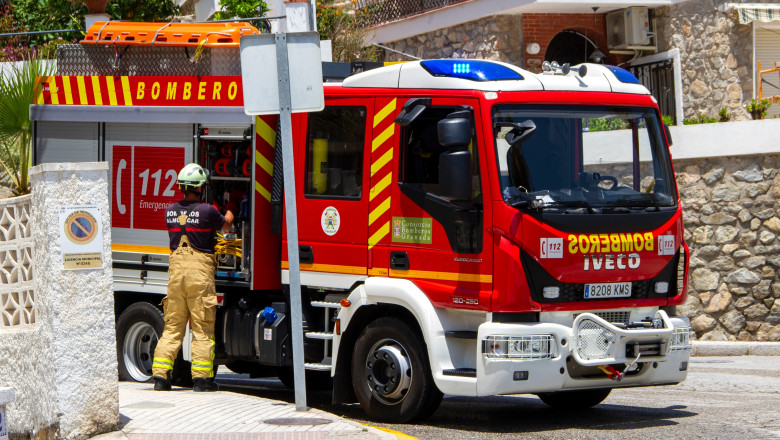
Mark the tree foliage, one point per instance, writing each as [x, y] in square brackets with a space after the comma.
[48, 15]
[241, 9]
[346, 28]
[17, 90]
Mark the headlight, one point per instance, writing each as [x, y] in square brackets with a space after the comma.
[594, 341]
[681, 339]
[520, 347]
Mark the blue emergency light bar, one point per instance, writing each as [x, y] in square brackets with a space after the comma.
[623, 75]
[475, 70]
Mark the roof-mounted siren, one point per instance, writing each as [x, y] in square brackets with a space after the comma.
[630, 29]
[554, 67]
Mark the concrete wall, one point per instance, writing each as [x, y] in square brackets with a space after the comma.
[26, 356]
[79, 303]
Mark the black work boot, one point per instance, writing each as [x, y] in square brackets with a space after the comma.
[202, 384]
[161, 384]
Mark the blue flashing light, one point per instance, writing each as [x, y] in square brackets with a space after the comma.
[623, 75]
[475, 70]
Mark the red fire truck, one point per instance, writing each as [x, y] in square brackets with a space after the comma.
[466, 227]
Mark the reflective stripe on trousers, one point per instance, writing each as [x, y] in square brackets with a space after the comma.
[191, 297]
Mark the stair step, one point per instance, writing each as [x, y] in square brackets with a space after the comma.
[326, 304]
[317, 366]
[461, 372]
[320, 335]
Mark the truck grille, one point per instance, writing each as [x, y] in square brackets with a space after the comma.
[612, 317]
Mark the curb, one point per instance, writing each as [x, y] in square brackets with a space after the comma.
[712, 348]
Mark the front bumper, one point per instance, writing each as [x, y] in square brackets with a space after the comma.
[576, 352]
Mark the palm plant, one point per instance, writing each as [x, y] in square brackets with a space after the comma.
[17, 91]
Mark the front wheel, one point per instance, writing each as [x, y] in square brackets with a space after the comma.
[138, 329]
[391, 374]
[578, 399]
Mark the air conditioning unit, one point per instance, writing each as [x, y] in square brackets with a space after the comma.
[628, 27]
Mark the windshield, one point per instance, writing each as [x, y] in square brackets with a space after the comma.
[594, 158]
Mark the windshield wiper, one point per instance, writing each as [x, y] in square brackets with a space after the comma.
[572, 203]
[640, 203]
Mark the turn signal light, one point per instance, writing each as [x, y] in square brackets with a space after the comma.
[345, 303]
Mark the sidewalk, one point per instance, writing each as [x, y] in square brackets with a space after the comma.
[181, 414]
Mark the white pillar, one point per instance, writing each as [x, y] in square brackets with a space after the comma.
[81, 301]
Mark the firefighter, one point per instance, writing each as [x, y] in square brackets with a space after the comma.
[191, 292]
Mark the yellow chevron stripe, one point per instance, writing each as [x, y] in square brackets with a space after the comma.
[53, 90]
[380, 186]
[265, 131]
[381, 162]
[378, 211]
[126, 91]
[96, 90]
[111, 90]
[385, 135]
[379, 235]
[82, 86]
[68, 91]
[263, 192]
[443, 276]
[331, 268]
[39, 89]
[264, 163]
[382, 114]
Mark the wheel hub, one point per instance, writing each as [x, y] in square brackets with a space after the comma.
[138, 350]
[388, 371]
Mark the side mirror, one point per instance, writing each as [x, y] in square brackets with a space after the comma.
[455, 175]
[454, 133]
[668, 134]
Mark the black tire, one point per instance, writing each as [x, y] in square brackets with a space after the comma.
[391, 374]
[138, 329]
[575, 400]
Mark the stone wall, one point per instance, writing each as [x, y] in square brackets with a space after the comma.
[716, 54]
[498, 37]
[732, 223]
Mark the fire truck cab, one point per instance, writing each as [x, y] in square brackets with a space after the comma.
[466, 227]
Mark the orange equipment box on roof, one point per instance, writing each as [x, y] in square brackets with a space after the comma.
[168, 34]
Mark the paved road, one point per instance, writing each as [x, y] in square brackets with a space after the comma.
[723, 398]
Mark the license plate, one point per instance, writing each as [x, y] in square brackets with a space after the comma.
[608, 290]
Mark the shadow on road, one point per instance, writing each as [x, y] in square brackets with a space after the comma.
[499, 414]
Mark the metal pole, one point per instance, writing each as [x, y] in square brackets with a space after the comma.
[285, 126]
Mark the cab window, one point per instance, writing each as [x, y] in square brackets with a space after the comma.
[334, 152]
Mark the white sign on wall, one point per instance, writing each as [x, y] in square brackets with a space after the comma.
[81, 237]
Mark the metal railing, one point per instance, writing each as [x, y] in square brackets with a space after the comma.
[376, 12]
[658, 77]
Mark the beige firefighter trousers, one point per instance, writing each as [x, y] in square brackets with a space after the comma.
[191, 296]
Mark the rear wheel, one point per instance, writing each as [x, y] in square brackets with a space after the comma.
[578, 399]
[137, 331]
[391, 374]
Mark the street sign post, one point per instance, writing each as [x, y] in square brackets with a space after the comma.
[271, 87]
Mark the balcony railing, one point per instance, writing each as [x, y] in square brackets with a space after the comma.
[377, 12]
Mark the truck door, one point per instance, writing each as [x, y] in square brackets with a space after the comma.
[333, 196]
[435, 240]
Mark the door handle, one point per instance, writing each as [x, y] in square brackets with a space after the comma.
[399, 260]
[305, 254]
